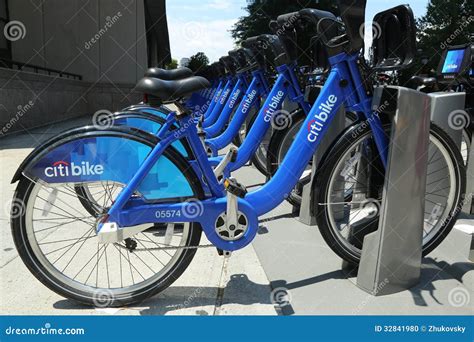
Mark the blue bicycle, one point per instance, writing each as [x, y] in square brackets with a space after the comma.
[245, 83]
[149, 225]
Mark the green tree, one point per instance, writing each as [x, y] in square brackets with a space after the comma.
[172, 65]
[261, 12]
[198, 61]
[446, 22]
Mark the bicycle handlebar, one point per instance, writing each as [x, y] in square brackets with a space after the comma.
[278, 50]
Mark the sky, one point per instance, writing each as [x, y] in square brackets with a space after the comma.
[203, 25]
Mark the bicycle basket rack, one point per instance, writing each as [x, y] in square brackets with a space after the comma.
[394, 33]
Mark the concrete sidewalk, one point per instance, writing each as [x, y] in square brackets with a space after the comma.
[285, 255]
[212, 285]
[299, 263]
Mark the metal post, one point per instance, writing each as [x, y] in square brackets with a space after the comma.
[391, 256]
[469, 202]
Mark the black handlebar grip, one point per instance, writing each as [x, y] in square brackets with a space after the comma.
[279, 52]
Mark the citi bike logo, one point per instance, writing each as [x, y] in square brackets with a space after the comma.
[216, 98]
[64, 169]
[248, 101]
[224, 96]
[316, 125]
[272, 107]
[234, 99]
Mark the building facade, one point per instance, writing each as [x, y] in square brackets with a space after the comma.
[54, 52]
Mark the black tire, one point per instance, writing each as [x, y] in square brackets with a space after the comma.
[297, 117]
[259, 160]
[240, 136]
[327, 168]
[89, 296]
[275, 147]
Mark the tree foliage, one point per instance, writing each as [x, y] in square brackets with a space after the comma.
[198, 61]
[260, 12]
[447, 22]
[172, 65]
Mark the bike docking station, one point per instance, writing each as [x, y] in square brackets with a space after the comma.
[469, 202]
[468, 207]
[392, 255]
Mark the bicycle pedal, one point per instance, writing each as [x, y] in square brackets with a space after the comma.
[235, 188]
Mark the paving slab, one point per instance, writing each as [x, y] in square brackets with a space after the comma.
[212, 285]
[296, 258]
[285, 255]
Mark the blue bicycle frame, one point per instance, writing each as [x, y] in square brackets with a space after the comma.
[210, 117]
[233, 100]
[127, 211]
[203, 97]
[258, 88]
[286, 85]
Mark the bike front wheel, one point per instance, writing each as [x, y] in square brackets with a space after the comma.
[349, 189]
[55, 235]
